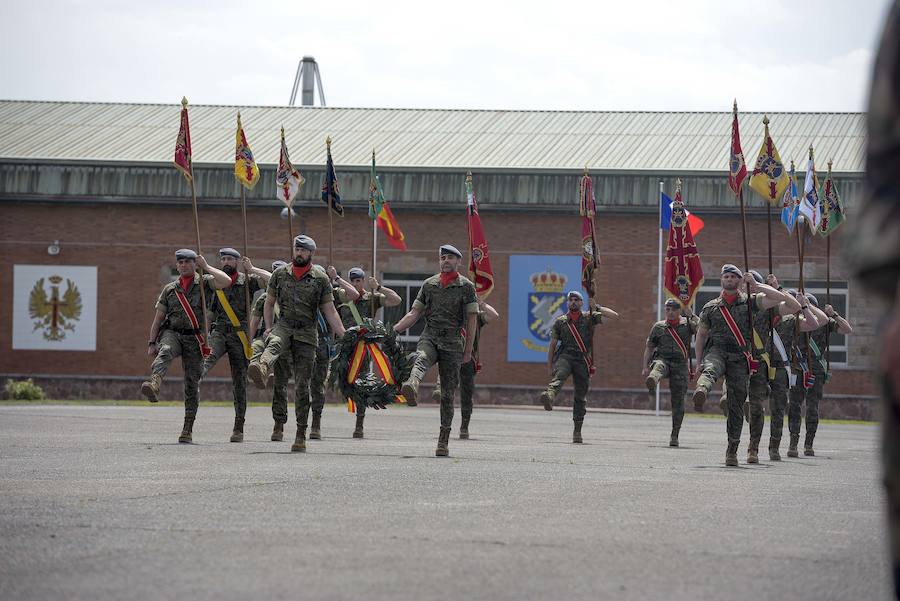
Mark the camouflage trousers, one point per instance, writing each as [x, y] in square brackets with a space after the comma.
[172, 345]
[758, 394]
[811, 396]
[563, 367]
[282, 375]
[466, 387]
[427, 354]
[677, 372]
[320, 376]
[778, 400]
[299, 358]
[734, 367]
[227, 342]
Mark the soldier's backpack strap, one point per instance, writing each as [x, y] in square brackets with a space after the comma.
[354, 311]
[235, 323]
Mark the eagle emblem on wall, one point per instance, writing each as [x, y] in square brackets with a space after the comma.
[53, 311]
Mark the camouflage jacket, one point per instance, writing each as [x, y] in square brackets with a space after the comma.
[366, 305]
[585, 327]
[720, 336]
[299, 300]
[445, 310]
[168, 303]
[237, 298]
[820, 337]
[664, 345]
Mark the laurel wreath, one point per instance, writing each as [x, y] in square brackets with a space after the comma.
[368, 388]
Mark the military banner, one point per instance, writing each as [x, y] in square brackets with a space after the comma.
[54, 308]
[537, 289]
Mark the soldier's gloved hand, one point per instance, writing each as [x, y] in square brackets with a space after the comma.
[247, 265]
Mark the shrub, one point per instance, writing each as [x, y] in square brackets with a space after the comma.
[24, 391]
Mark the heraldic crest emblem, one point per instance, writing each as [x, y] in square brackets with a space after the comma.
[55, 314]
[544, 302]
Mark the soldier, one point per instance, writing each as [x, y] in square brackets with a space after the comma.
[873, 250]
[448, 302]
[323, 354]
[570, 352]
[725, 327]
[758, 387]
[177, 331]
[467, 372]
[228, 331]
[282, 370]
[666, 356]
[300, 290]
[353, 309]
[783, 340]
[811, 348]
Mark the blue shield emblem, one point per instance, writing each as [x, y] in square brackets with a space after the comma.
[543, 309]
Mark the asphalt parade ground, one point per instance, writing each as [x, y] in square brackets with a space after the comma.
[100, 502]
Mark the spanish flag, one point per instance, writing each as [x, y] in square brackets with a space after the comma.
[245, 169]
[380, 211]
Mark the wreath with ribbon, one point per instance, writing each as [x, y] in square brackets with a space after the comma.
[349, 372]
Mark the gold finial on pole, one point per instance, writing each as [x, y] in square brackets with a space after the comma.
[282, 132]
[792, 164]
[328, 142]
[468, 177]
[678, 184]
[585, 169]
[810, 153]
[734, 109]
[829, 166]
[184, 102]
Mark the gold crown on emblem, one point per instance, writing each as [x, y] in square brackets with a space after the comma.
[55, 279]
[548, 281]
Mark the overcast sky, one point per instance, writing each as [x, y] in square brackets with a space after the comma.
[624, 55]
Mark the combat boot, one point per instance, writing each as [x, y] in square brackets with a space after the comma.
[237, 434]
[576, 433]
[547, 398]
[731, 454]
[699, 399]
[258, 374]
[651, 384]
[808, 446]
[464, 428]
[358, 430]
[299, 445]
[436, 395]
[753, 452]
[409, 392]
[673, 438]
[278, 433]
[792, 446]
[774, 454]
[443, 445]
[186, 431]
[315, 430]
[150, 388]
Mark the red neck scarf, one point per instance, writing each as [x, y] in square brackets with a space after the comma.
[448, 277]
[776, 320]
[730, 297]
[673, 322]
[234, 277]
[299, 272]
[574, 316]
[186, 281]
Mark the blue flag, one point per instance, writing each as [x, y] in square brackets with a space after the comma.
[665, 212]
[790, 205]
[331, 194]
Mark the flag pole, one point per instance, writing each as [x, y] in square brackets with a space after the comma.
[827, 277]
[184, 104]
[374, 244]
[330, 209]
[659, 273]
[246, 244]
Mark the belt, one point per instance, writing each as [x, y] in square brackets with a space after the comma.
[292, 323]
[185, 331]
[443, 331]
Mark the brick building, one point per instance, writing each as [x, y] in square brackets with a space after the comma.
[94, 183]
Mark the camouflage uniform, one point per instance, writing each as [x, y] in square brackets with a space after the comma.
[445, 311]
[759, 382]
[177, 339]
[873, 247]
[467, 373]
[813, 395]
[778, 398]
[294, 335]
[366, 305]
[568, 360]
[282, 366]
[224, 339]
[723, 357]
[668, 361]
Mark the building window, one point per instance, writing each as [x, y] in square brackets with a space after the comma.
[407, 285]
[837, 345]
